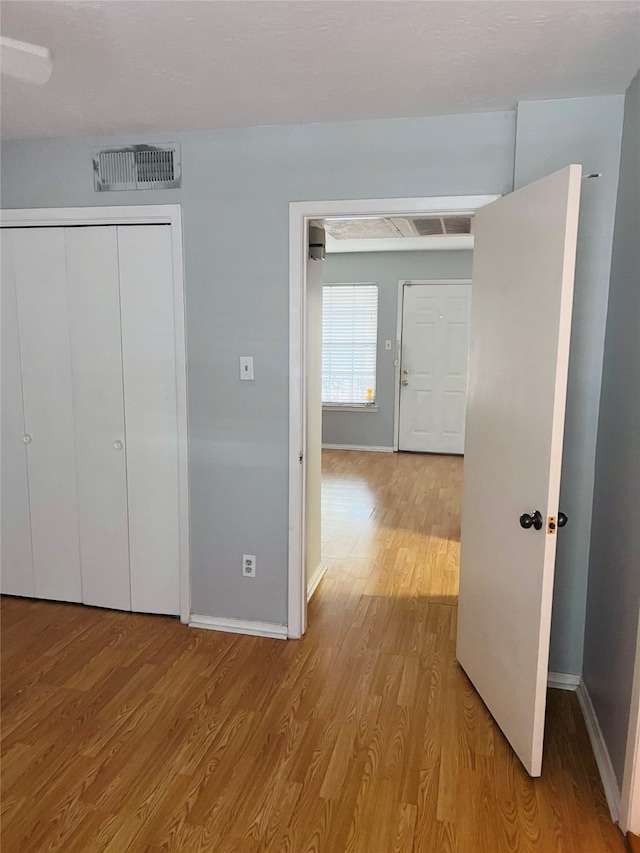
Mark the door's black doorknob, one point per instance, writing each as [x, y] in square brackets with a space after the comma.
[534, 520]
[562, 519]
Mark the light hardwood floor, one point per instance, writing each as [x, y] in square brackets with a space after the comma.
[128, 732]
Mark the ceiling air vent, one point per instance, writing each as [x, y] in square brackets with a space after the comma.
[440, 226]
[457, 224]
[137, 167]
[429, 227]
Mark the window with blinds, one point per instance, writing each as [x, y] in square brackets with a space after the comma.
[349, 344]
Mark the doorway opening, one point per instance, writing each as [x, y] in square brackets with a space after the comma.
[301, 491]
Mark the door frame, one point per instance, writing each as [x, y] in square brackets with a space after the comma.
[399, 327]
[300, 214]
[152, 214]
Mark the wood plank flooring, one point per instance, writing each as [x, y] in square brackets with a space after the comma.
[125, 732]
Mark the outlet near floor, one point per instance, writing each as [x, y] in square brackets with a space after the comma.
[249, 565]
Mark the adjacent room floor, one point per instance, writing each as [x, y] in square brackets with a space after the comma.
[128, 732]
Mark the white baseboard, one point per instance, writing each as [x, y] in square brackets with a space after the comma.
[316, 577]
[607, 773]
[357, 447]
[239, 626]
[563, 681]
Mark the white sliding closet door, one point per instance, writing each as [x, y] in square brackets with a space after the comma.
[94, 318]
[149, 362]
[90, 452]
[16, 570]
[43, 322]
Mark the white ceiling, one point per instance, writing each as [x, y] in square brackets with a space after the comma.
[135, 67]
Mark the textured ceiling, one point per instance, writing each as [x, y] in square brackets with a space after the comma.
[134, 67]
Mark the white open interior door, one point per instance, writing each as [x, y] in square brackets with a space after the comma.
[524, 260]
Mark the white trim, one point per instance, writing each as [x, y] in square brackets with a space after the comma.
[314, 583]
[297, 593]
[142, 214]
[600, 751]
[630, 805]
[239, 626]
[357, 447]
[447, 243]
[300, 213]
[398, 361]
[563, 681]
[392, 206]
[152, 214]
[336, 407]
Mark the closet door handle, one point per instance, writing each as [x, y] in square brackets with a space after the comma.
[27, 438]
[118, 445]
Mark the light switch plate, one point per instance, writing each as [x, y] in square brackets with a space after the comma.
[246, 367]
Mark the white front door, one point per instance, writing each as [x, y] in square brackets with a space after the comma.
[524, 260]
[433, 366]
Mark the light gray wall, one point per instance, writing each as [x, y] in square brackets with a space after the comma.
[375, 429]
[237, 185]
[613, 599]
[551, 135]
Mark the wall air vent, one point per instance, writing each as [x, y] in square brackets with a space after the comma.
[137, 167]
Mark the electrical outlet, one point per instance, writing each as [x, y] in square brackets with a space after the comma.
[249, 565]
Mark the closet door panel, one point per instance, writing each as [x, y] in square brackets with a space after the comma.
[41, 289]
[148, 351]
[96, 357]
[16, 564]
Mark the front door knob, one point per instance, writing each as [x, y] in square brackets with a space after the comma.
[562, 519]
[534, 520]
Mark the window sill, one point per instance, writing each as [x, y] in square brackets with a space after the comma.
[328, 407]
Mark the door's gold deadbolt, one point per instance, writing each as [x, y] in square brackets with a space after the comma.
[551, 524]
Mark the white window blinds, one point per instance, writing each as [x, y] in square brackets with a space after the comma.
[349, 343]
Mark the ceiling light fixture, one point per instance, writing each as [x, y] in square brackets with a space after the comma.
[24, 61]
